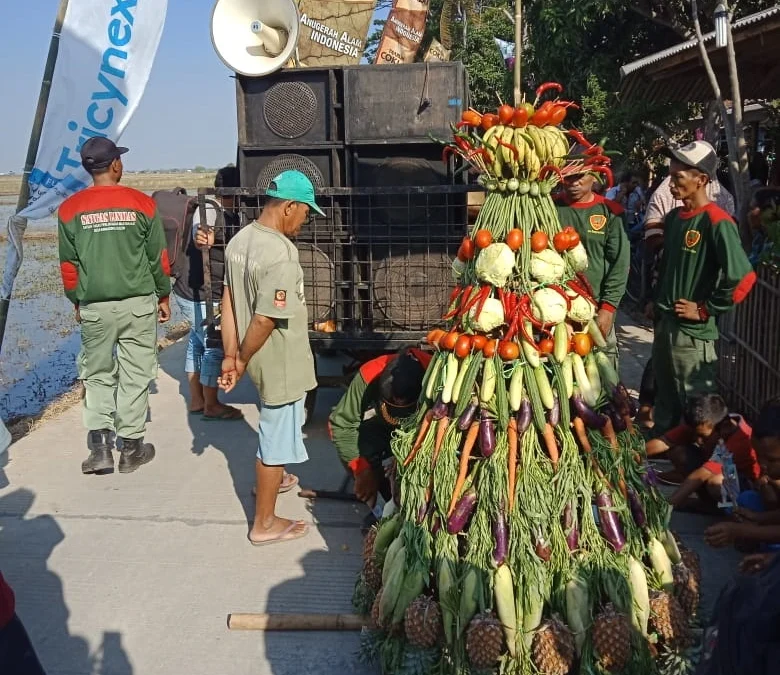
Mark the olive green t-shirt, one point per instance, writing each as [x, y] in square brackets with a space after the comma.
[265, 277]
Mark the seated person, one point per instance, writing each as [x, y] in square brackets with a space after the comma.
[758, 510]
[382, 393]
[690, 447]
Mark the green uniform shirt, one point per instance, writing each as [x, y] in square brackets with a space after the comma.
[600, 226]
[703, 261]
[265, 278]
[112, 246]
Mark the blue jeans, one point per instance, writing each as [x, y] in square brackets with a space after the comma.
[200, 359]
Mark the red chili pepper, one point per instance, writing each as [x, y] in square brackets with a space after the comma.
[585, 284]
[502, 299]
[542, 88]
[483, 298]
[606, 171]
[471, 302]
[595, 150]
[549, 168]
[464, 296]
[463, 144]
[448, 150]
[511, 147]
[525, 311]
[597, 159]
[455, 293]
[450, 315]
[460, 125]
[578, 136]
[514, 324]
[580, 290]
[567, 104]
[528, 338]
[563, 294]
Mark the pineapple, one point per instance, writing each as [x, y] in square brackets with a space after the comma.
[368, 544]
[668, 620]
[686, 589]
[422, 623]
[372, 574]
[553, 648]
[376, 621]
[484, 641]
[691, 560]
[611, 635]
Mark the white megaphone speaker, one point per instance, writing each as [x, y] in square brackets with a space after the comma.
[254, 37]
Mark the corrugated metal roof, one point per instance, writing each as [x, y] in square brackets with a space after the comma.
[691, 44]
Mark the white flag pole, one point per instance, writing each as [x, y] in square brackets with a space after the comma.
[15, 247]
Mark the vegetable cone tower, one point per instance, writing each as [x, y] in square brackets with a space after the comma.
[529, 535]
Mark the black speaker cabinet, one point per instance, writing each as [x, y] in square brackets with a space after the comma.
[324, 166]
[396, 104]
[296, 107]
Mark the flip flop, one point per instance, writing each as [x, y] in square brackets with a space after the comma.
[230, 415]
[196, 412]
[282, 488]
[284, 535]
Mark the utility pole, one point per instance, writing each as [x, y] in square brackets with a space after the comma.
[518, 52]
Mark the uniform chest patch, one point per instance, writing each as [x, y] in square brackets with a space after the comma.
[692, 237]
[280, 298]
[597, 222]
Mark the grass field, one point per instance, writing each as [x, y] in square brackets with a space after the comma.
[10, 185]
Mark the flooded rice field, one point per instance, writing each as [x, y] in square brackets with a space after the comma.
[37, 362]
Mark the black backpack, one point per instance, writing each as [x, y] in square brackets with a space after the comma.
[743, 637]
[176, 210]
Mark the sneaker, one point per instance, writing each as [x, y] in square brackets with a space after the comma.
[135, 453]
[101, 459]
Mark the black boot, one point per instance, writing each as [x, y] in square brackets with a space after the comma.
[100, 459]
[134, 453]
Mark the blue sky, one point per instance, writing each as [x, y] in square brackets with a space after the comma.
[171, 127]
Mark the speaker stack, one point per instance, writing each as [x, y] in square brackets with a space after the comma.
[381, 260]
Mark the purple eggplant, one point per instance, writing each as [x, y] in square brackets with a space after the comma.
[435, 525]
[554, 416]
[591, 418]
[651, 477]
[467, 416]
[569, 522]
[463, 510]
[487, 435]
[609, 523]
[440, 409]
[501, 537]
[637, 510]
[618, 423]
[628, 405]
[424, 511]
[523, 417]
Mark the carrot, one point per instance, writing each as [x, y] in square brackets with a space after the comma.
[441, 429]
[629, 424]
[609, 433]
[512, 436]
[582, 435]
[551, 443]
[465, 453]
[424, 426]
[622, 485]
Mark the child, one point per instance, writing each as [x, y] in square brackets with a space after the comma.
[759, 509]
[690, 447]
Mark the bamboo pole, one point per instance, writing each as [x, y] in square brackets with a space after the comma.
[518, 51]
[35, 139]
[297, 622]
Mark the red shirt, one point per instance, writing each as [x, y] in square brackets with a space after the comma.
[739, 444]
[6, 603]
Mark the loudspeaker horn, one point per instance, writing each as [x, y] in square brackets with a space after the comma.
[254, 37]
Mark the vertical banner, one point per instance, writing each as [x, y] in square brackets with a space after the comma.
[403, 32]
[106, 52]
[333, 32]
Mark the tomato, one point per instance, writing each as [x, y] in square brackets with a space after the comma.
[466, 250]
[489, 120]
[557, 115]
[448, 340]
[539, 242]
[546, 346]
[581, 343]
[520, 118]
[483, 239]
[508, 350]
[463, 346]
[479, 342]
[505, 113]
[574, 238]
[561, 242]
[489, 350]
[434, 336]
[542, 115]
[472, 118]
[514, 239]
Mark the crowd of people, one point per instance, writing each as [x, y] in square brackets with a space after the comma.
[116, 271]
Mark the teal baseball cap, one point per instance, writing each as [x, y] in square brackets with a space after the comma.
[294, 186]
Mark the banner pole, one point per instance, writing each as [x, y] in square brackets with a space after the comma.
[518, 52]
[35, 138]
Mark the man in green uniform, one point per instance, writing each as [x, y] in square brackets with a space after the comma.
[265, 333]
[383, 391]
[599, 222]
[115, 271]
[704, 273]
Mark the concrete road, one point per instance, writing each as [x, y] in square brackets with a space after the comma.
[136, 574]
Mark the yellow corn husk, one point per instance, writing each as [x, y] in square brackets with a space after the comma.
[578, 611]
[468, 599]
[639, 595]
[392, 589]
[661, 564]
[504, 589]
[395, 549]
[413, 585]
[534, 608]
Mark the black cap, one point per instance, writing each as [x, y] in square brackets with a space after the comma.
[98, 153]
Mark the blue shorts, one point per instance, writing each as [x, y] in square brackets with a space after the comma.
[281, 438]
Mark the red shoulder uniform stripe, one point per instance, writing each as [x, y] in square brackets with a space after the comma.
[717, 214]
[165, 262]
[370, 370]
[744, 287]
[104, 198]
[70, 276]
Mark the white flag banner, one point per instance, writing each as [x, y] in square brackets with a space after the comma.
[106, 52]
